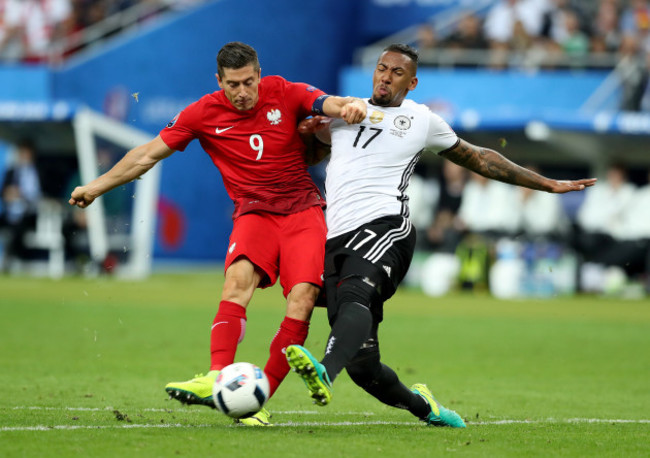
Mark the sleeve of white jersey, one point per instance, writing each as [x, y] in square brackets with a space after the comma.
[440, 136]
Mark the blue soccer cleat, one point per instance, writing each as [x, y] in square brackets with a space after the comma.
[439, 415]
[312, 372]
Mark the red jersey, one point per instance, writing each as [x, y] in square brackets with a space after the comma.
[259, 152]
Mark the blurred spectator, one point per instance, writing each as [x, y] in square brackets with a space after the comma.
[426, 38]
[631, 250]
[575, 42]
[40, 30]
[521, 41]
[31, 26]
[513, 24]
[488, 210]
[626, 254]
[633, 73]
[606, 35]
[548, 33]
[445, 232]
[21, 192]
[636, 219]
[502, 17]
[467, 35]
[90, 12]
[635, 19]
[541, 214]
[423, 195]
[600, 218]
[554, 23]
[635, 51]
[11, 32]
[489, 207]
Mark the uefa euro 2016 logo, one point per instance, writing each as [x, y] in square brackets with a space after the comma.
[237, 382]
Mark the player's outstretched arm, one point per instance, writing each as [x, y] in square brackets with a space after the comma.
[351, 109]
[134, 164]
[491, 164]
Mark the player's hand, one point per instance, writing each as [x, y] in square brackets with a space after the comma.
[81, 197]
[313, 124]
[563, 186]
[354, 112]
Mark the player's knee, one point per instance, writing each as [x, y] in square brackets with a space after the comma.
[301, 300]
[360, 377]
[300, 310]
[365, 366]
[236, 292]
[361, 290]
[241, 280]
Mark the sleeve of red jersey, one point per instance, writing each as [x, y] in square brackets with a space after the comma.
[182, 129]
[300, 97]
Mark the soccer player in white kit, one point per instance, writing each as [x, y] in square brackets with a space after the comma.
[370, 239]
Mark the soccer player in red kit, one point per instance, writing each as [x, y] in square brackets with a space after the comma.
[249, 130]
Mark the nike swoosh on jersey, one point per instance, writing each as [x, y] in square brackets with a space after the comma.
[220, 131]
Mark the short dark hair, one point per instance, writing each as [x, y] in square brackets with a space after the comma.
[26, 143]
[407, 50]
[618, 165]
[236, 55]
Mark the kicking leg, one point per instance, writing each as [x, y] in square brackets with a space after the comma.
[379, 380]
[228, 330]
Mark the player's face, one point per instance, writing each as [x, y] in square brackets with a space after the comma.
[240, 86]
[394, 77]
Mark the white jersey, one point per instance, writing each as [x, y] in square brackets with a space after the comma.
[372, 162]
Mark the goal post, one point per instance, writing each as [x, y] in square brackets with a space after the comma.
[65, 129]
[88, 125]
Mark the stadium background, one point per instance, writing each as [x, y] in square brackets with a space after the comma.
[170, 61]
[85, 358]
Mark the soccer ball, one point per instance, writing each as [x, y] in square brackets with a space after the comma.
[240, 390]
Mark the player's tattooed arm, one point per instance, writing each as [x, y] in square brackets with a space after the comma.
[491, 164]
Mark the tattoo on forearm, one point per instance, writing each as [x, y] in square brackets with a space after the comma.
[491, 164]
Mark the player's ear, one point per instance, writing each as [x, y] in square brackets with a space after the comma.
[413, 84]
[219, 80]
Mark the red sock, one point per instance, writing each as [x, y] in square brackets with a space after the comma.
[291, 332]
[228, 331]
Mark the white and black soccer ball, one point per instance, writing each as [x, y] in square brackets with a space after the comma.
[240, 390]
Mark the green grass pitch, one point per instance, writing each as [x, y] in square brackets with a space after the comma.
[83, 364]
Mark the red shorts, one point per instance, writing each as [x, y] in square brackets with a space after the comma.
[289, 246]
